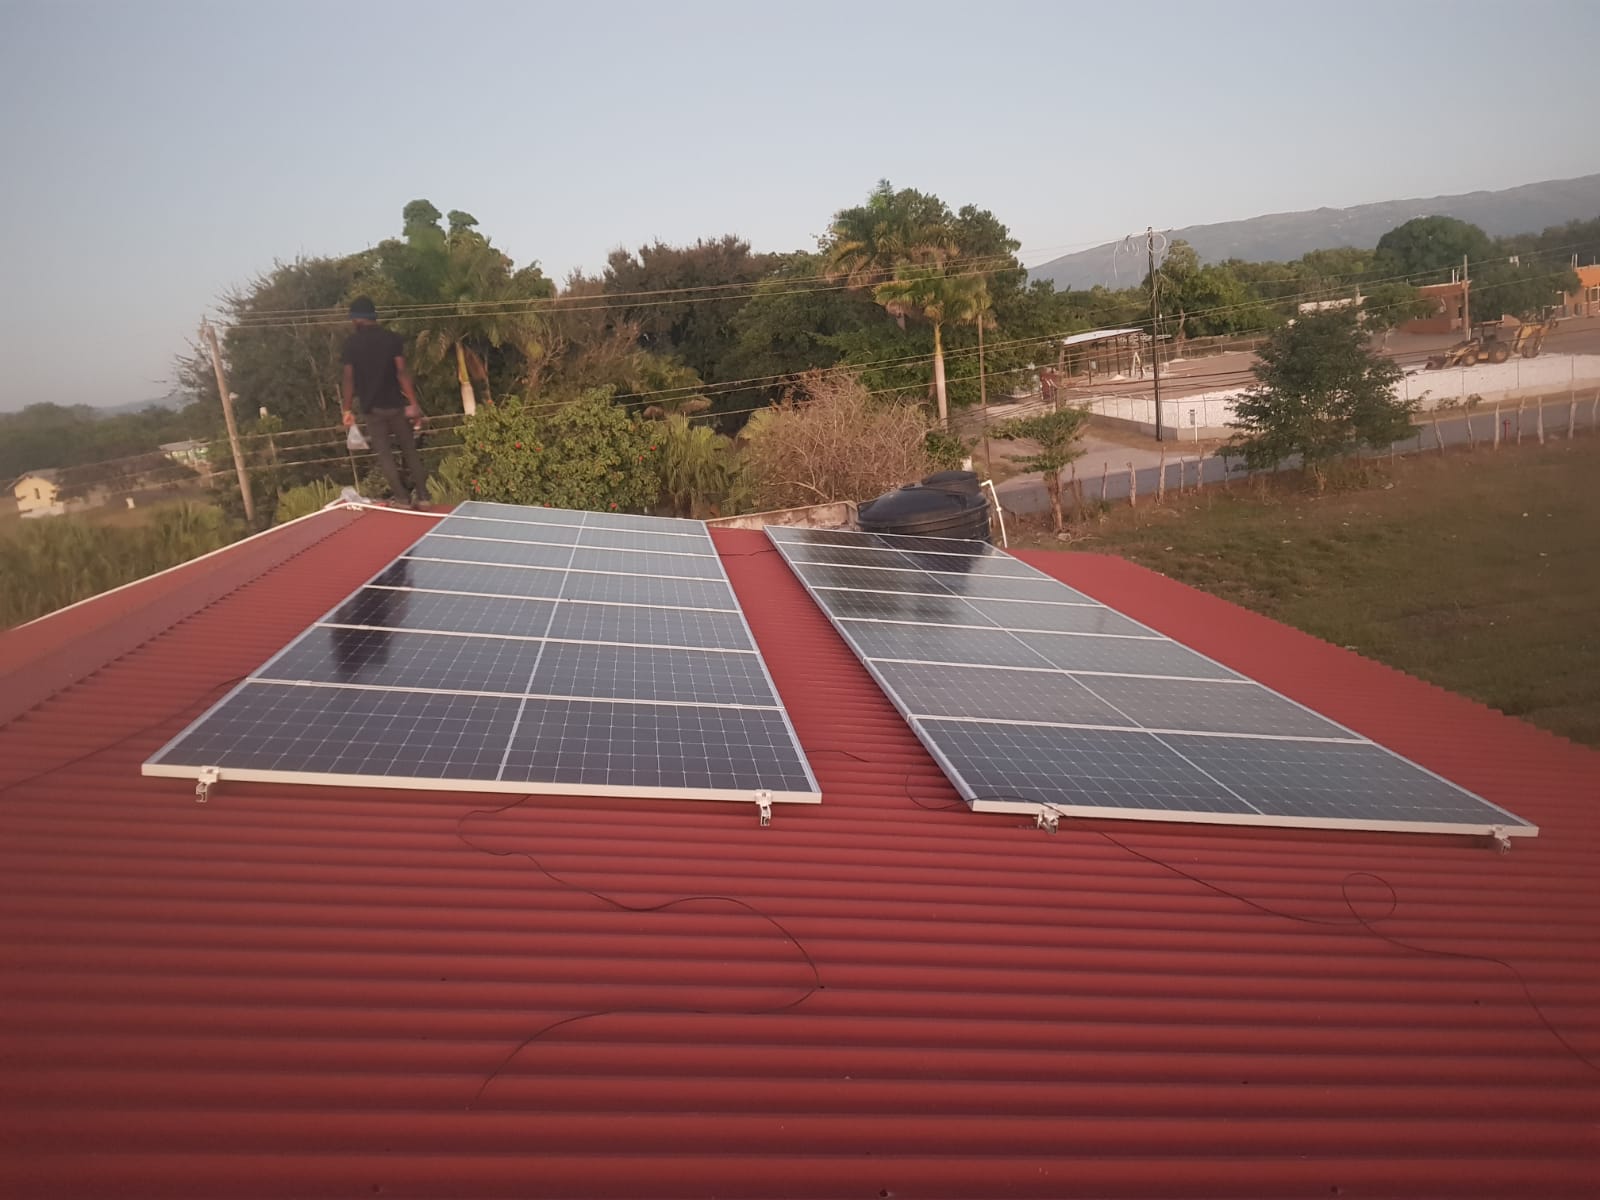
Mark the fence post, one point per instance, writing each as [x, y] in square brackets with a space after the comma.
[1522, 402]
[1161, 476]
[1472, 437]
[1105, 472]
[1133, 487]
[1437, 436]
[1540, 422]
[1497, 425]
[1572, 415]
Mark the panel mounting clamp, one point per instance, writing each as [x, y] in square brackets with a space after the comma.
[203, 782]
[1047, 819]
[1502, 840]
[763, 801]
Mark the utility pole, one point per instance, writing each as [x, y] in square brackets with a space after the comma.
[1155, 323]
[209, 335]
[1466, 301]
[983, 395]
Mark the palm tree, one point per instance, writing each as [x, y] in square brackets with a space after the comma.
[475, 301]
[940, 298]
[866, 244]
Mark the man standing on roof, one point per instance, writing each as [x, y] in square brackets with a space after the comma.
[375, 370]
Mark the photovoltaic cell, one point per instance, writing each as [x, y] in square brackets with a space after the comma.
[484, 581]
[641, 562]
[520, 650]
[1210, 707]
[1078, 767]
[1359, 782]
[645, 747]
[1033, 696]
[906, 607]
[1126, 656]
[510, 531]
[633, 539]
[967, 564]
[377, 735]
[945, 691]
[1057, 618]
[649, 590]
[484, 550]
[939, 644]
[520, 512]
[402, 608]
[859, 579]
[425, 661]
[650, 626]
[642, 673]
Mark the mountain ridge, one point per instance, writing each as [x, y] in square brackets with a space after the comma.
[1279, 237]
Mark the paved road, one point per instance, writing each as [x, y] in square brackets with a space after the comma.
[1026, 494]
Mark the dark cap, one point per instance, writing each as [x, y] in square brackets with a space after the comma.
[363, 309]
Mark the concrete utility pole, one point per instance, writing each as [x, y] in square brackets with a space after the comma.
[1155, 323]
[1466, 300]
[983, 398]
[209, 335]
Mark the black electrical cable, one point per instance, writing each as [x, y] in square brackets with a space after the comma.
[60, 766]
[805, 994]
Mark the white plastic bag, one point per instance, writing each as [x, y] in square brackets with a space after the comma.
[355, 439]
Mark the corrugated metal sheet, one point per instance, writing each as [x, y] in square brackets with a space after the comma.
[302, 992]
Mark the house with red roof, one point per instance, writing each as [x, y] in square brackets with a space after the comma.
[322, 991]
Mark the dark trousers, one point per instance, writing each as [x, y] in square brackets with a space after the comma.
[385, 428]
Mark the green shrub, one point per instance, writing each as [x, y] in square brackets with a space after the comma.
[700, 473]
[945, 450]
[306, 499]
[585, 454]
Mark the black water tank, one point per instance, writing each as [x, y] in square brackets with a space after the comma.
[924, 511]
[957, 483]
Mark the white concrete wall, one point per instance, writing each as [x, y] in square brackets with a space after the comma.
[1210, 414]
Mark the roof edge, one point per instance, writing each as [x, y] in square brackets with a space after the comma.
[42, 657]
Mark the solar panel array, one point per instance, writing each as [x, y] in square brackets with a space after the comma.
[520, 649]
[1035, 697]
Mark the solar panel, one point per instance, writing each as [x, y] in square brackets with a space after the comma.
[519, 650]
[1034, 697]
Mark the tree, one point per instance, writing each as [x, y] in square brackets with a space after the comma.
[696, 327]
[1389, 305]
[831, 440]
[699, 471]
[1207, 300]
[1504, 287]
[1319, 393]
[585, 454]
[285, 336]
[1057, 435]
[471, 301]
[866, 244]
[1429, 246]
[928, 291]
[792, 323]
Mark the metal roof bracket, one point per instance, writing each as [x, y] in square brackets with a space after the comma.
[1047, 819]
[763, 801]
[1502, 840]
[202, 787]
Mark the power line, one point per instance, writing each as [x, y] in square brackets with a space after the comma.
[803, 285]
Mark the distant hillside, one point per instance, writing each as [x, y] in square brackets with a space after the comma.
[172, 401]
[1278, 237]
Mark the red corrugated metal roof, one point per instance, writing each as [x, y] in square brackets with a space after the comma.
[299, 992]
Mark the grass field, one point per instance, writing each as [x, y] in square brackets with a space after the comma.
[1477, 571]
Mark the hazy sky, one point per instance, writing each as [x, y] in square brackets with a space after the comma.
[156, 154]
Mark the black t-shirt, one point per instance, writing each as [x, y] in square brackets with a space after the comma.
[371, 351]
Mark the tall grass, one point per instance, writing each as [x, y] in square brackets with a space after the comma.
[51, 562]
